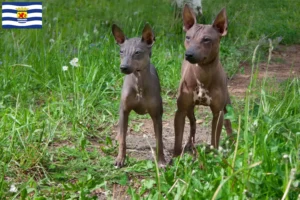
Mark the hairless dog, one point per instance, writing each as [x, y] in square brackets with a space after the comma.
[203, 80]
[141, 88]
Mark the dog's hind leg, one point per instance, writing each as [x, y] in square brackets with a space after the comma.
[227, 122]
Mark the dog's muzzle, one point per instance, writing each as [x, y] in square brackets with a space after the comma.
[126, 69]
[189, 56]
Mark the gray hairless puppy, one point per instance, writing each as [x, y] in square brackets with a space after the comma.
[141, 88]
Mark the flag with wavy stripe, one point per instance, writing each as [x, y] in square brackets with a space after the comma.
[22, 15]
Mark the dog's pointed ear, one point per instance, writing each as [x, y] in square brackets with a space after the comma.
[118, 34]
[221, 23]
[189, 18]
[148, 35]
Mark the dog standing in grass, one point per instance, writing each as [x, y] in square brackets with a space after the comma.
[141, 88]
[203, 79]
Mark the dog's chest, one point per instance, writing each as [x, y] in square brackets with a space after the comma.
[201, 95]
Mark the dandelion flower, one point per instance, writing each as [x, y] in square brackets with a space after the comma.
[51, 40]
[74, 62]
[65, 68]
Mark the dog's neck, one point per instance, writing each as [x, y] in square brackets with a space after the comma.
[211, 64]
[204, 73]
[140, 78]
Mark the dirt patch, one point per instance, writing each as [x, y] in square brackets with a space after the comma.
[138, 144]
[284, 64]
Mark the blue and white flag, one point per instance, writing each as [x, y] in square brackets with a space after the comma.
[22, 15]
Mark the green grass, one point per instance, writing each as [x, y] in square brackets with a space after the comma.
[55, 125]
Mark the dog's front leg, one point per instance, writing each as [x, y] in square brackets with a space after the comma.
[191, 116]
[157, 124]
[184, 103]
[217, 124]
[123, 125]
[179, 122]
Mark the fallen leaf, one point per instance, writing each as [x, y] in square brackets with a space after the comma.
[199, 121]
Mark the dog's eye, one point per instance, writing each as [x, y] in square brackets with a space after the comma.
[206, 40]
[121, 52]
[137, 52]
[187, 38]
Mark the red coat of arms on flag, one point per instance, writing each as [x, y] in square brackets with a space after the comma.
[22, 14]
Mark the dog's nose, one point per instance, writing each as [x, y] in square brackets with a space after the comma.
[124, 67]
[188, 55]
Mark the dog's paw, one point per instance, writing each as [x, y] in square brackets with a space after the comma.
[162, 164]
[189, 147]
[119, 162]
[117, 137]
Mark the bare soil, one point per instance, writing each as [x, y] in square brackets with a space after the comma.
[284, 64]
[138, 146]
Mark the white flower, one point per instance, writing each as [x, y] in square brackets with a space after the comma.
[65, 68]
[74, 62]
[13, 189]
[292, 175]
[220, 149]
[95, 30]
[211, 147]
[55, 19]
[51, 40]
[285, 156]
